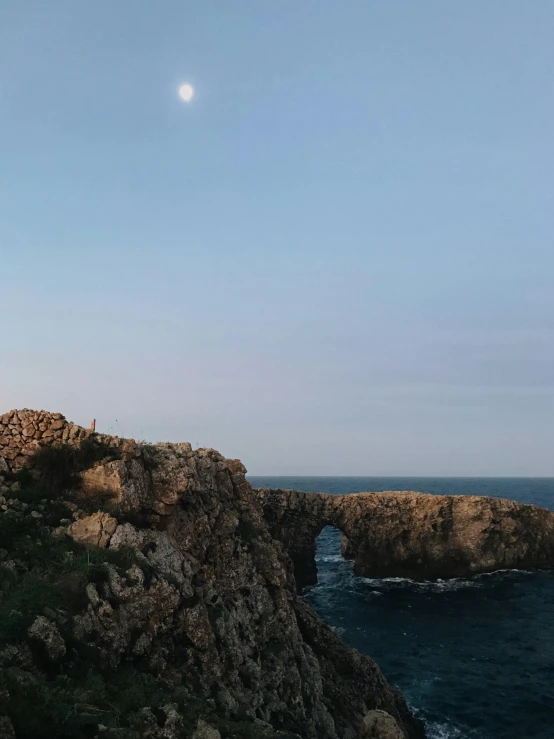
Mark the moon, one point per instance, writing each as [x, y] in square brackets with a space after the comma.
[186, 92]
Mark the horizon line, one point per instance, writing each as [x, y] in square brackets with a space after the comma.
[417, 477]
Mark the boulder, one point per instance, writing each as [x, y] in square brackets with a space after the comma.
[45, 632]
[381, 725]
[94, 531]
[205, 731]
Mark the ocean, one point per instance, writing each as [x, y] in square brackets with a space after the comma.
[473, 657]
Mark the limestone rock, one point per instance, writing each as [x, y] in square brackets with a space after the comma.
[124, 482]
[104, 478]
[44, 631]
[173, 725]
[94, 531]
[205, 731]
[407, 534]
[380, 725]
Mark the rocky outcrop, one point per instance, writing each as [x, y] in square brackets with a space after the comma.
[379, 725]
[161, 561]
[93, 531]
[406, 534]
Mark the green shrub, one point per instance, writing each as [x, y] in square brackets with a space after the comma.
[23, 602]
[14, 527]
[94, 449]
[55, 510]
[58, 572]
[151, 456]
[45, 552]
[55, 469]
[8, 577]
[58, 556]
[72, 709]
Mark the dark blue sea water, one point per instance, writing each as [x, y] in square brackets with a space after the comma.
[475, 657]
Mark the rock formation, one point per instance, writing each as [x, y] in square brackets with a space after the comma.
[142, 595]
[406, 534]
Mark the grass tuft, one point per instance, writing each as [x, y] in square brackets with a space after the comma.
[73, 709]
[22, 604]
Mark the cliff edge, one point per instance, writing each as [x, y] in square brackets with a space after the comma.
[143, 595]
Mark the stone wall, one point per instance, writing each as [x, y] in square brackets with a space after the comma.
[23, 432]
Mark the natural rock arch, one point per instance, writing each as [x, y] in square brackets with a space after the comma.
[296, 519]
[408, 534]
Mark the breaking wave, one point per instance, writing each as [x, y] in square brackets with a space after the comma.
[443, 585]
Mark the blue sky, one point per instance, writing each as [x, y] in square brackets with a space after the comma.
[337, 260]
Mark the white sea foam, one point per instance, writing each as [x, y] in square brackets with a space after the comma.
[504, 572]
[447, 731]
[438, 730]
[439, 585]
[330, 558]
[434, 586]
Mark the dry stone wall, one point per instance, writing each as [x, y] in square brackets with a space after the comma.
[23, 432]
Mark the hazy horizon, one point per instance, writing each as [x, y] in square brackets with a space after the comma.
[407, 477]
[337, 258]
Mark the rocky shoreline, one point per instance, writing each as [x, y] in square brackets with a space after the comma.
[147, 591]
[142, 594]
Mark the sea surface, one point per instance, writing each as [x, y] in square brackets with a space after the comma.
[473, 657]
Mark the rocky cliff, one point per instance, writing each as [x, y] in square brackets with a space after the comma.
[143, 595]
[406, 534]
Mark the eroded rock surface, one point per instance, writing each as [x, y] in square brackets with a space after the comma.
[407, 534]
[175, 575]
[379, 725]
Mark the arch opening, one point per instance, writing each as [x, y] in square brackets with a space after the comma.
[332, 550]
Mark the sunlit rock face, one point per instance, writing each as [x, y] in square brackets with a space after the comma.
[406, 534]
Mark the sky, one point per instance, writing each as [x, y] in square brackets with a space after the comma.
[337, 259]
